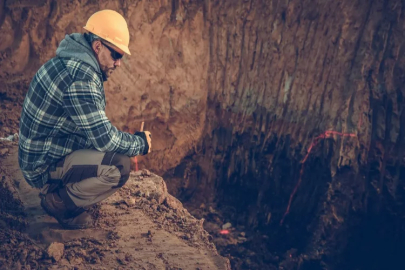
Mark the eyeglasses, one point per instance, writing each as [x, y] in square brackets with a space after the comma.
[114, 54]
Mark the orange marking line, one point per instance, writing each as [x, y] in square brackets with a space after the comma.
[136, 164]
[135, 158]
[326, 134]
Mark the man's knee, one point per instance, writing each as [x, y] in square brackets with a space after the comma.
[123, 164]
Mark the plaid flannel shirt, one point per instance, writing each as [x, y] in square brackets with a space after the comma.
[64, 111]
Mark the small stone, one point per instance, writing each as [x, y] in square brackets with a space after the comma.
[186, 236]
[173, 202]
[56, 250]
[4, 151]
[146, 172]
[243, 234]
[147, 194]
[130, 201]
[226, 226]
[242, 239]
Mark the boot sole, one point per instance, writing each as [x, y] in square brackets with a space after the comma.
[61, 222]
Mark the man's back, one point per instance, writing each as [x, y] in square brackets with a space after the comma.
[47, 133]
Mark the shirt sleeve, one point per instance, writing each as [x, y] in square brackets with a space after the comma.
[83, 103]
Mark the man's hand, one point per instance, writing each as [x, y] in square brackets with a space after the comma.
[147, 137]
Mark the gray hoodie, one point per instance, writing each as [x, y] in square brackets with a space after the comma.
[76, 46]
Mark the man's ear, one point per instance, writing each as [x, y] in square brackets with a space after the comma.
[96, 45]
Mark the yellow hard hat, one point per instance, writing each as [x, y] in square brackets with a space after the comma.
[111, 26]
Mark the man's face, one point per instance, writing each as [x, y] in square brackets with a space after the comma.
[108, 59]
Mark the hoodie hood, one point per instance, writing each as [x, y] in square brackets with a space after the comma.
[76, 46]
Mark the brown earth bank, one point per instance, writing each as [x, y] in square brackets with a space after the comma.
[238, 96]
[139, 227]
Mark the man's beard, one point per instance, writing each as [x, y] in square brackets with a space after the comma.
[107, 73]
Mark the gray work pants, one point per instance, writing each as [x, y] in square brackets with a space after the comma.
[86, 177]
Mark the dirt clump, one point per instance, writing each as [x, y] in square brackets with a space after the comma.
[141, 226]
[167, 212]
[56, 250]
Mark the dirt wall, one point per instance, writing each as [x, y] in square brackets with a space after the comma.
[306, 126]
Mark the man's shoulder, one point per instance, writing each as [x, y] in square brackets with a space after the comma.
[79, 70]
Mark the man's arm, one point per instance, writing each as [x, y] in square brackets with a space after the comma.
[82, 102]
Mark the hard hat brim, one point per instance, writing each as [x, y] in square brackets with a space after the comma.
[123, 48]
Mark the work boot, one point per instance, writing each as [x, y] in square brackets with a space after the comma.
[77, 219]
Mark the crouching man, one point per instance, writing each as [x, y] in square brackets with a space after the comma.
[68, 148]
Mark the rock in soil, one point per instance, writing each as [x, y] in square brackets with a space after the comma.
[56, 250]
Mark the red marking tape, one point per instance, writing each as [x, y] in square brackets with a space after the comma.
[135, 158]
[326, 134]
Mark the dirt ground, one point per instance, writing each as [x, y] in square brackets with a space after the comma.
[139, 227]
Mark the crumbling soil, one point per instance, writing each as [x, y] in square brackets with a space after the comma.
[140, 227]
[245, 248]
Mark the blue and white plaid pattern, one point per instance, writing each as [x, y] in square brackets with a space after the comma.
[64, 111]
